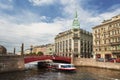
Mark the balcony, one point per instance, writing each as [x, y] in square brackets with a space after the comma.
[75, 37]
[114, 43]
[115, 51]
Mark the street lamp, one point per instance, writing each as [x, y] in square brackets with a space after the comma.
[31, 48]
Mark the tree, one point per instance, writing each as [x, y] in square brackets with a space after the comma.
[33, 53]
[40, 53]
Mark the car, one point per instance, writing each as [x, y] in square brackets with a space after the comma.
[100, 59]
[111, 59]
[115, 60]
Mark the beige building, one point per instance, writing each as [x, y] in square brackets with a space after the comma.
[47, 49]
[41, 48]
[106, 38]
[50, 49]
[27, 51]
[75, 41]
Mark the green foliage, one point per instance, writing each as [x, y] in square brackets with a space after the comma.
[32, 53]
[40, 53]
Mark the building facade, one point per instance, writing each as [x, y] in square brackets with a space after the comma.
[27, 51]
[47, 49]
[3, 50]
[50, 49]
[106, 38]
[75, 41]
[37, 49]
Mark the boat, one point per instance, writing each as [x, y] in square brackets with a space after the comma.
[61, 66]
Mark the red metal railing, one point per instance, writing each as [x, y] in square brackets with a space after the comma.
[28, 59]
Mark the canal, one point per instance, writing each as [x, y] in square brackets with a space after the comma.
[82, 73]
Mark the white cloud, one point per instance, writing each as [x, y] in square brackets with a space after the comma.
[41, 2]
[24, 17]
[30, 34]
[37, 32]
[87, 18]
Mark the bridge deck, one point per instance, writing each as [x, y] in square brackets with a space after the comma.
[28, 59]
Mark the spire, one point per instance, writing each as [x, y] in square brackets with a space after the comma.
[76, 24]
[76, 15]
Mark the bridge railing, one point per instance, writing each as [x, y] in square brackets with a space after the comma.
[28, 59]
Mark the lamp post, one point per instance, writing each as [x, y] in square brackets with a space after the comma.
[31, 48]
[14, 51]
[22, 49]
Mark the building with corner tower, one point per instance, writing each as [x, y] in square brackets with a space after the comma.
[75, 41]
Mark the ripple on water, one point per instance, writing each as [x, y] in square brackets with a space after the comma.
[82, 73]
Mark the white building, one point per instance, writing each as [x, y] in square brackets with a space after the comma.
[75, 41]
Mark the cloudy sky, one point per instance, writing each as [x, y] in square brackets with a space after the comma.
[36, 22]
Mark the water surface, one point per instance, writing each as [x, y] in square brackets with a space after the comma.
[82, 73]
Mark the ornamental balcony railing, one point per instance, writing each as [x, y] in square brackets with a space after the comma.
[115, 51]
[114, 43]
[75, 37]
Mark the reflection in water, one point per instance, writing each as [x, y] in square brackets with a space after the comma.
[82, 73]
[101, 73]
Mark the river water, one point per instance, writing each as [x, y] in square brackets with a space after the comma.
[82, 73]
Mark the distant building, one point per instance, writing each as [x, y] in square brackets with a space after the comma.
[27, 51]
[41, 48]
[75, 41]
[3, 50]
[50, 49]
[47, 49]
[106, 38]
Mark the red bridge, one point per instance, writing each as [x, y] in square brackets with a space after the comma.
[28, 59]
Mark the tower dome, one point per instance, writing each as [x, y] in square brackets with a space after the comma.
[76, 24]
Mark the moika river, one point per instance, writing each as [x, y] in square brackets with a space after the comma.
[82, 73]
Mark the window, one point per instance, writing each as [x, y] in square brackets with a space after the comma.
[95, 31]
[119, 39]
[101, 28]
[70, 44]
[104, 41]
[99, 49]
[66, 43]
[75, 44]
[75, 41]
[75, 49]
[105, 49]
[63, 45]
[81, 44]
[75, 35]
[96, 49]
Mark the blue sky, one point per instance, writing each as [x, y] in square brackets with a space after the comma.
[36, 22]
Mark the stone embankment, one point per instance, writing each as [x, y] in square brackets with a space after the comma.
[93, 63]
[11, 63]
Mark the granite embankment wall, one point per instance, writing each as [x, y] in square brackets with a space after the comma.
[11, 63]
[93, 63]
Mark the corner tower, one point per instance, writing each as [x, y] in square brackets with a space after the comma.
[76, 24]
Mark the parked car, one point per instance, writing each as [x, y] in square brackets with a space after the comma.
[115, 60]
[100, 59]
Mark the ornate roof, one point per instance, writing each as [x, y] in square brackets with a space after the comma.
[76, 24]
